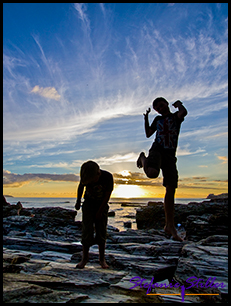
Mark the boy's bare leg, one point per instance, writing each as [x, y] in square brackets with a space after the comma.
[102, 256]
[85, 258]
[169, 213]
[142, 163]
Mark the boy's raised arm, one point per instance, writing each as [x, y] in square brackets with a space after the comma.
[182, 110]
[149, 132]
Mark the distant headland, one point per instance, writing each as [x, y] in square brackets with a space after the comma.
[211, 196]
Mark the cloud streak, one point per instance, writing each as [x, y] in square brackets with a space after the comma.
[138, 79]
[47, 92]
[224, 158]
[18, 180]
[131, 178]
[79, 92]
[103, 161]
[81, 9]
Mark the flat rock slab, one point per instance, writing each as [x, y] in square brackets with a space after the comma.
[40, 244]
[40, 257]
[52, 281]
[205, 262]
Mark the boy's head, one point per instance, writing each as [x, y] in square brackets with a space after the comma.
[161, 106]
[89, 172]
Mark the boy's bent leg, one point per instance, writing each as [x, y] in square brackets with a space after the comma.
[169, 213]
[139, 162]
[149, 171]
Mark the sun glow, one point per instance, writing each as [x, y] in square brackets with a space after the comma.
[125, 173]
[128, 191]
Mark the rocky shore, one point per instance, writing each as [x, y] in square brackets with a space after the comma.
[41, 247]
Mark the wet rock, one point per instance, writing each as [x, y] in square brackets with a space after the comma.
[56, 213]
[11, 210]
[44, 227]
[128, 224]
[15, 223]
[5, 203]
[206, 260]
[23, 288]
[200, 220]
[111, 213]
[39, 245]
[215, 240]
[200, 227]
[40, 255]
[153, 216]
[112, 228]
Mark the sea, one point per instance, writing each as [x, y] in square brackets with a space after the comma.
[124, 208]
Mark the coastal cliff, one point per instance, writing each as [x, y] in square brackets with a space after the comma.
[42, 247]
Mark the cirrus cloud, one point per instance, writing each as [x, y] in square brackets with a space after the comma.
[18, 180]
[47, 92]
[224, 158]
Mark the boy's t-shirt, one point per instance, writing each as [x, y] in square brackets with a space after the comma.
[96, 191]
[167, 131]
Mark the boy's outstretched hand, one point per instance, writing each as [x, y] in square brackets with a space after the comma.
[147, 112]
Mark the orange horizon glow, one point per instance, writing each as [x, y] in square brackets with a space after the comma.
[69, 190]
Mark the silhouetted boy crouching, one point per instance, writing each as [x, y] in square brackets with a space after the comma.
[99, 186]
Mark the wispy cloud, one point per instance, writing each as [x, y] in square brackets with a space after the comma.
[137, 78]
[117, 158]
[47, 92]
[185, 151]
[10, 63]
[81, 9]
[202, 183]
[102, 6]
[105, 68]
[206, 132]
[102, 161]
[218, 135]
[133, 178]
[18, 180]
[44, 58]
[224, 158]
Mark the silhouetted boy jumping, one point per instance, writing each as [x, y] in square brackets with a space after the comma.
[162, 154]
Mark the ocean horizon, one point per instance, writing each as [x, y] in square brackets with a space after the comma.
[45, 201]
[124, 208]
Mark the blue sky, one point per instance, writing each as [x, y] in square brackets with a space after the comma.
[77, 79]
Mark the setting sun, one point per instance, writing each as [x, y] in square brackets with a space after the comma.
[128, 191]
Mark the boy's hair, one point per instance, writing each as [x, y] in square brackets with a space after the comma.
[157, 100]
[88, 172]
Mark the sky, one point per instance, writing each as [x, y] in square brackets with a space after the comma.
[77, 78]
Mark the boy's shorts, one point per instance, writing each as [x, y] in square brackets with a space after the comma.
[160, 159]
[89, 224]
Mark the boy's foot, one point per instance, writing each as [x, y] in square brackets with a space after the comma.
[139, 163]
[103, 264]
[173, 233]
[81, 264]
